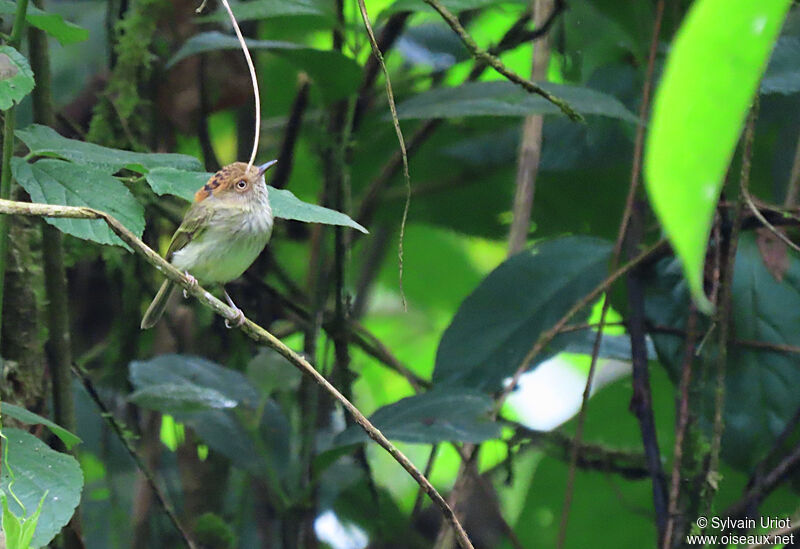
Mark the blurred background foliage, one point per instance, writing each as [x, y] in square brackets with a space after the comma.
[251, 455]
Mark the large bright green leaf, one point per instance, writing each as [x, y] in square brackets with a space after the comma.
[284, 203]
[16, 77]
[193, 371]
[500, 321]
[23, 415]
[45, 141]
[711, 76]
[51, 181]
[33, 469]
[760, 385]
[502, 98]
[51, 23]
[436, 416]
[335, 74]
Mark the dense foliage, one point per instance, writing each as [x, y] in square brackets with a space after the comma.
[654, 260]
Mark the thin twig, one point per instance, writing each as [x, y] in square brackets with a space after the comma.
[748, 200]
[682, 424]
[396, 121]
[420, 494]
[623, 227]
[495, 62]
[256, 95]
[106, 414]
[585, 301]
[251, 329]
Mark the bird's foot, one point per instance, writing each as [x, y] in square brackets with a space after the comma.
[239, 319]
[192, 283]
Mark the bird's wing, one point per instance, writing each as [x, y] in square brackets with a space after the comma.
[194, 224]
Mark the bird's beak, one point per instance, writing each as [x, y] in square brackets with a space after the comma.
[264, 167]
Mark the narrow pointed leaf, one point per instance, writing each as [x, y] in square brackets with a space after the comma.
[711, 76]
[23, 415]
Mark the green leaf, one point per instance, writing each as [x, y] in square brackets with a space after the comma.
[782, 74]
[500, 321]
[174, 398]
[193, 371]
[16, 77]
[502, 98]
[284, 204]
[37, 471]
[45, 141]
[287, 206]
[265, 9]
[436, 416]
[760, 385]
[454, 6]
[335, 75]
[709, 81]
[56, 182]
[23, 415]
[51, 23]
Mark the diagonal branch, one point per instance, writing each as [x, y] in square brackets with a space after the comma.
[493, 61]
[251, 329]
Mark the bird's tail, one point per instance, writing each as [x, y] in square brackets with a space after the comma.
[158, 306]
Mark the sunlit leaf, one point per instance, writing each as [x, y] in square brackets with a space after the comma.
[45, 141]
[23, 415]
[51, 181]
[709, 81]
[502, 98]
[436, 416]
[16, 77]
[284, 203]
[335, 74]
[36, 469]
[500, 321]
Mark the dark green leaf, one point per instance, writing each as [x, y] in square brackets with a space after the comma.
[174, 398]
[709, 81]
[500, 321]
[265, 9]
[23, 415]
[454, 6]
[194, 371]
[617, 347]
[36, 469]
[502, 98]
[760, 385]
[56, 182]
[335, 74]
[45, 141]
[16, 77]
[51, 23]
[436, 416]
[284, 204]
[783, 74]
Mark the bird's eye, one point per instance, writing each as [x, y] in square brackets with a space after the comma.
[241, 184]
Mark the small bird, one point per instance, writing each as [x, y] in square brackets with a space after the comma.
[221, 235]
